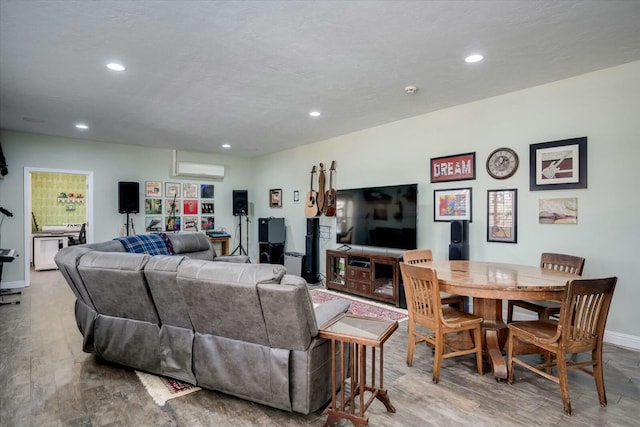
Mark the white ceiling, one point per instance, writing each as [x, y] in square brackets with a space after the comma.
[201, 73]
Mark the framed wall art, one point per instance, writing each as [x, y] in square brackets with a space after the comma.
[502, 216]
[172, 189]
[459, 167]
[153, 189]
[206, 191]
[558, 211]
[452, 204]
[189, 191]
[275, 197]
[558, 165]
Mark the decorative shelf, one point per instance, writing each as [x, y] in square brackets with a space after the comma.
[70, 200]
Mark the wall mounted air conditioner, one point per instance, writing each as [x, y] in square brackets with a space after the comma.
[198, 170]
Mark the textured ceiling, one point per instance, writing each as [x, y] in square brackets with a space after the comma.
[201, 73]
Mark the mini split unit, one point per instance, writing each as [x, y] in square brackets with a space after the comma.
[198, 170]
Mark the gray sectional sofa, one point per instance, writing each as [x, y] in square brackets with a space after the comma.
[248, 330]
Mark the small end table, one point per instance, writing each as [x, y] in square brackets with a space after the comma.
[361, 332]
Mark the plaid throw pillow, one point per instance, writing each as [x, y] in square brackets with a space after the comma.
[152, 244]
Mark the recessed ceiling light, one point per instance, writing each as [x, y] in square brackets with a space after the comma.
[82, 126]
[315, 114]
[114, 66]
[473, 58]
[226, 145]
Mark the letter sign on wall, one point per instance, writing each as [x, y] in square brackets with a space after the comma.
[453, 168]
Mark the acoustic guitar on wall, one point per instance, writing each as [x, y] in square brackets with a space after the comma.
[311, 207]
[321, 184]
[329, 207]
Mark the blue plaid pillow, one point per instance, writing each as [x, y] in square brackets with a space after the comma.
[152, 244]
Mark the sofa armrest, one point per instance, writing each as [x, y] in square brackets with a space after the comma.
[329, 310]
[240, 259]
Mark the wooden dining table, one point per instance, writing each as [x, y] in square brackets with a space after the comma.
[488, 283]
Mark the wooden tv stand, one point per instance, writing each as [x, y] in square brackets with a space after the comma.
[365, 273]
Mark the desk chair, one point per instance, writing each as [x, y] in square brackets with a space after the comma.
[82, 236]
[417, 256]
[425, 309]
[580, 329]
[546, 309]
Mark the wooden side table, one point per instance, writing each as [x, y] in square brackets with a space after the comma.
[361, 332]
[224, 242]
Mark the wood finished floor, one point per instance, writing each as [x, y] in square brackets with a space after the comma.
[46, 380]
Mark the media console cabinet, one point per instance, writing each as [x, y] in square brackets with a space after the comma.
[367, 274]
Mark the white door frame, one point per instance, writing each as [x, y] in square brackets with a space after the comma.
[27, 209]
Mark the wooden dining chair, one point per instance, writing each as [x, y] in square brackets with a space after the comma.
[425, 309]
[545, 309]
[580, 329]
[417, 256]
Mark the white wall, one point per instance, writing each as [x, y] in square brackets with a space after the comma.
[110, 163]
[604, 106]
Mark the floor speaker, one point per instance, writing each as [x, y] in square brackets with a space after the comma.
[271, 253]
[240, 202]
[128, 197]
[458, 251]
[459, 246]
[312, 250]
[271, 230]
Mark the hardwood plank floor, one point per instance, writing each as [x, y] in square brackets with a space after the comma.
[46, 380]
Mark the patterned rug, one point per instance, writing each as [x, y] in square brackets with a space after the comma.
[360, 306]
[162, 389]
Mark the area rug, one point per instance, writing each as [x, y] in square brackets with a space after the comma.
[360, 306]
[162, 389]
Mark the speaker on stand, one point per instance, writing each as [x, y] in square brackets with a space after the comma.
[459, 246]
[241, 209]
[312, 248]
[128, 199]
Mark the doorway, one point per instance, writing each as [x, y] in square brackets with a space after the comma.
[57, 201]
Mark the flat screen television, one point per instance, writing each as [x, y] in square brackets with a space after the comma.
[378, 216]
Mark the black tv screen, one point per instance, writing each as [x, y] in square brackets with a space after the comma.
[378, 216]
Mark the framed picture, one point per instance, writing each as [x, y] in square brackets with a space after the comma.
[296, 196]
[172, 189]
[453, 168]
[189, 191]
[172, 207]
[153, 189]
[152, 206]
[172, 223]
[206, 191]
[207, 223]
[190, 207]
[190, 223]
[207, 208]
[275, 197]
[152, 224]
[452, 204]
[558, 211]
[502, 216]
[558, 165]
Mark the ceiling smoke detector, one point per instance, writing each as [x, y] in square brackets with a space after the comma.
[410, 89]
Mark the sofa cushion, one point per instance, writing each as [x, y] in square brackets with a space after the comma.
[152, 244]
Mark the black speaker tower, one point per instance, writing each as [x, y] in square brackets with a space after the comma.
[312, 247]
[240, 202]
[459, 246]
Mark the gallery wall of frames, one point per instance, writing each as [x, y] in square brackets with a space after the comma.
[178, 206]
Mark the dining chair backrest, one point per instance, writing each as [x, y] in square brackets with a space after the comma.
[584, 313]
[561, 262]
[416, 256]
[422, 290]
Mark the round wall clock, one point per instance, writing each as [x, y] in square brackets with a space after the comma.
[502, 163]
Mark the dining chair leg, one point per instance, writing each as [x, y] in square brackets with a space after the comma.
[598, 375]
[412, 343]
[564, 381]
[478, 343]
[437, 358]
[510, 359]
